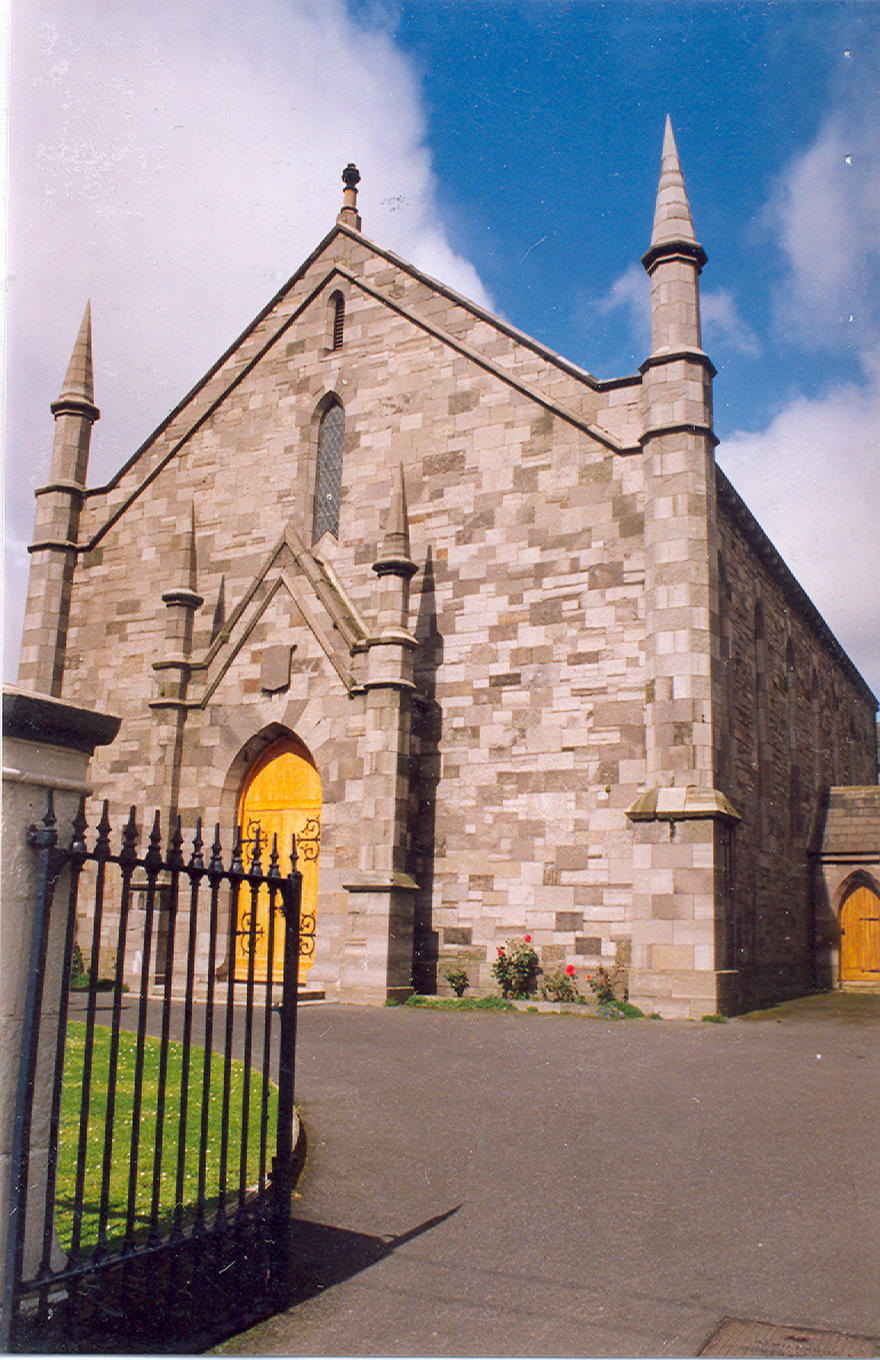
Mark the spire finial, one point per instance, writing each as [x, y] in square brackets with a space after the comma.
[394, 550]
[78, 388]
[191, 560]
[672, 214]
[673, 228]
[348, 214]
[186, 594]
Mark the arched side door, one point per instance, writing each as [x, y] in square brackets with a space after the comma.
[860, 936]
[282, 797]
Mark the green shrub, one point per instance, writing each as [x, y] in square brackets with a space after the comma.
[458, 980]
[619, 1010]
[456, 1003]
[79, 977]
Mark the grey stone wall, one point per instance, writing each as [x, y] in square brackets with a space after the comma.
[528, 607]
[795, 719]
[536, 663]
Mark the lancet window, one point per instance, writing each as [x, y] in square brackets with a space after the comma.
[328, 482]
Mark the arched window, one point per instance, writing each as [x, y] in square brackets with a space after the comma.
[328, 482]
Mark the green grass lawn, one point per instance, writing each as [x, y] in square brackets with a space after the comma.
[120, 1159]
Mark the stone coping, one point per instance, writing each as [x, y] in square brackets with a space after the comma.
[682, 804]
[380, 882]
[45, 720]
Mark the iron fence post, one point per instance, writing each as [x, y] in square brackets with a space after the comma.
[282, 1167]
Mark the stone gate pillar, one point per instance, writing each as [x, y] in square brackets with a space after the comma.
[47, 745]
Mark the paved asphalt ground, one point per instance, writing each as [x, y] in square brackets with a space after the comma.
[495, 1184]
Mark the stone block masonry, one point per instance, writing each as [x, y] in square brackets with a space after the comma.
[519, 658]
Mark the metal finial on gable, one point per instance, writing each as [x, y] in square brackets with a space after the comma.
[349, 216]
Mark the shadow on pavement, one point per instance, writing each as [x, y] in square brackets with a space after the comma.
[142, 1321]
[323, 1256]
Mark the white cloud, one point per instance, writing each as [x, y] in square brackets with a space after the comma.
[811, 480]
[722, 325]
[631, 292]
[826, 213]
[176, 163]
[811, 477]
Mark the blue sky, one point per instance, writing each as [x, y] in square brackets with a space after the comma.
[176, 162]
[544, 126]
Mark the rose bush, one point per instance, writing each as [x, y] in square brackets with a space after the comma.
[561, 986]
[516, 969]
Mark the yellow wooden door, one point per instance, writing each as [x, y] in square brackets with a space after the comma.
[860, 937]
[281, 797]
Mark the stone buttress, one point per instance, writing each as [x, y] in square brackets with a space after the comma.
[378, 952]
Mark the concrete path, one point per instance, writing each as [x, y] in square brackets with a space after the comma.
[481, 1184]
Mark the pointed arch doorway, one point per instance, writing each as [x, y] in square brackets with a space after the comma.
[281, 796]
[860, 935]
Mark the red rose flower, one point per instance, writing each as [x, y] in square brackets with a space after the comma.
[528, 939]
[570, 970]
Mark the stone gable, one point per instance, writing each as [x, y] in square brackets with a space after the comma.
[525, 662]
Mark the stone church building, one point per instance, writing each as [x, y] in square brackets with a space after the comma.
[495, 640]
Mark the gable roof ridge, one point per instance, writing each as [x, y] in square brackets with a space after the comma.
[217, 365]
[601, 435]
[233, 618]
[514, 333]
[237, 377]
[475, 356]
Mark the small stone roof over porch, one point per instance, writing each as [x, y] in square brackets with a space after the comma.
[852, 824]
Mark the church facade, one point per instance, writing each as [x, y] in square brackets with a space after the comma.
[495, 641]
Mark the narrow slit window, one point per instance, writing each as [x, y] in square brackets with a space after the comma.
[338, 320]
[328, 483]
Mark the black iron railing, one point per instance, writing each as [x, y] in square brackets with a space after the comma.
[174, 1133]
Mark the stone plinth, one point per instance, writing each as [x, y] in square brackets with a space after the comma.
[681, 903]
[378, 951]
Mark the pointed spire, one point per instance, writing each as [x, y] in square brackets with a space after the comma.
[394, 551]
[397, 525]
[191, 569]
[348, 214]
[78, 388]
[673, 224]
[186, 594]
[672, 215]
